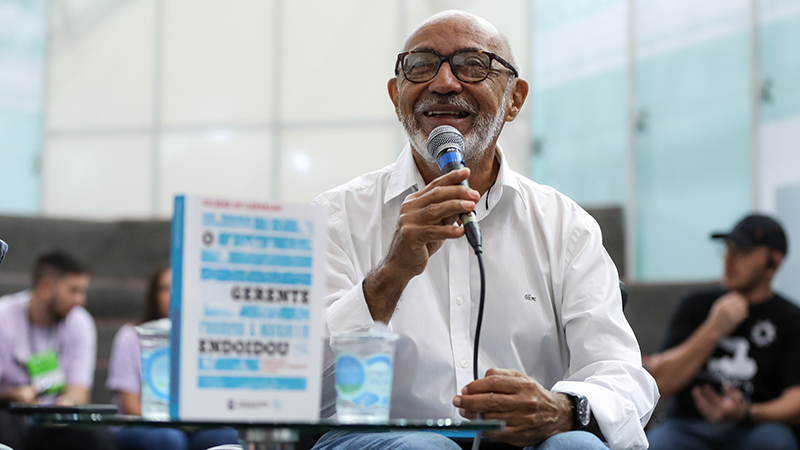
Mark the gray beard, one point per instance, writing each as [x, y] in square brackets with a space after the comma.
[484, 131]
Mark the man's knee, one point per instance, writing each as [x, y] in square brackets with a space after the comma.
[573, 440]
[424, 441]
[385, 441]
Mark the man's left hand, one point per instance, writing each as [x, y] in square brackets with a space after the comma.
[729, 407]
[531, 412]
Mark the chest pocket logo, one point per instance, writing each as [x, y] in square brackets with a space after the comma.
[530, 297]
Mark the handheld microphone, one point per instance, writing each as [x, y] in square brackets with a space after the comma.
[445, 145]
[3, 250]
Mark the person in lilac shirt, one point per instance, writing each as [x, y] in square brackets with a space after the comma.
[47, 353]
[125, 383]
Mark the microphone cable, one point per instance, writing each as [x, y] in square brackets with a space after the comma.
[476, 443]
[479, 254]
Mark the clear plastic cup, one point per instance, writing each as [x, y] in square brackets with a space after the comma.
[155, 351]
[364, 367]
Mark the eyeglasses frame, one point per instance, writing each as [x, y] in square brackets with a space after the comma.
[449, 59]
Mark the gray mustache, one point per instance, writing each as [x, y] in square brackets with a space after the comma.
[450, 100]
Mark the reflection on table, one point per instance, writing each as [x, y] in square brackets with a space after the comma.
[254, 434]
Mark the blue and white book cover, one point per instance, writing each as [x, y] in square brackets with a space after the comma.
[246, 308]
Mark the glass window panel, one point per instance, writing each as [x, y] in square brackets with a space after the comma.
[780, 104]
[336, 59]
[221, 162]
[779, 158]
[101, 66]
[22, 63]
[788, 212]
[579, 100]
[218, 61]
[694, 151]
[98, 177]
[21, 138]
[780, 59]
[315, 160]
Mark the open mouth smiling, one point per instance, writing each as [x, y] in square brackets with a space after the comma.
[446, 114]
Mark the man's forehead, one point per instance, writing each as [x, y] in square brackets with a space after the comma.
[451, 31]
[74, 278]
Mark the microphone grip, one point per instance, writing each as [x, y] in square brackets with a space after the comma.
[470, 222]
[471, 228]
[473, 231]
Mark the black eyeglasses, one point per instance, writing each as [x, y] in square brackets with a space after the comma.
[469, 66]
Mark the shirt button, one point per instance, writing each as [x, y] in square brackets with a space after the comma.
[464, 363]
[459, 301]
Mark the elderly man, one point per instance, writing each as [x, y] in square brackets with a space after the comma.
[554, 337]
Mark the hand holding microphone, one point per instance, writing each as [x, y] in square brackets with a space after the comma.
[446, 146]
[427, 218]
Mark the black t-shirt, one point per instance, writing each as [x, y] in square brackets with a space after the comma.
[761, 357]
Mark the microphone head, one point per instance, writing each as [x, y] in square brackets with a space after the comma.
[3, 250]
[445, 138]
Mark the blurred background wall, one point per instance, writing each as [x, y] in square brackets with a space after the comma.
[684, 113]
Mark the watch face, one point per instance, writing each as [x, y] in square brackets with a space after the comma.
[583, 411]
[580, 411]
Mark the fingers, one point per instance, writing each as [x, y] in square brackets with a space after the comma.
[422, 234]
[507, 372]
[431, 206]
[451, 178]
[708, 402]
[728, 312]
[489, 402]
[733, 396]
[437, 209]
[444, 188]
[501, 383]
[497, 392]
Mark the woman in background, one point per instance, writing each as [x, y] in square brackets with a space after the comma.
[125, 383]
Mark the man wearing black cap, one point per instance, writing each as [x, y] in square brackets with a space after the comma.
[731, 356]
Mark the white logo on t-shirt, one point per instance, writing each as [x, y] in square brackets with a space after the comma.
[763, 333]
[739, 366]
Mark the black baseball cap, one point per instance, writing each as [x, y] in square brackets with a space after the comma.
[756, 229]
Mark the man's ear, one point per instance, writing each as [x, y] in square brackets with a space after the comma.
[518, 95]
[775, 259]
[394, 95]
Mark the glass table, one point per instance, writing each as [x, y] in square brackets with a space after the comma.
[254, 435]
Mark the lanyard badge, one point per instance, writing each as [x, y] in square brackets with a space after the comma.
[46, 375]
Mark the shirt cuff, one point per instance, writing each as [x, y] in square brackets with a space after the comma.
[617, 417]
[349, 313]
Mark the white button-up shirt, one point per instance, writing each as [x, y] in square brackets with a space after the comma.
[553, 308]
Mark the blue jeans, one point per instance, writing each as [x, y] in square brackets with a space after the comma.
[143, 438]
[701, 434]
[335, 440]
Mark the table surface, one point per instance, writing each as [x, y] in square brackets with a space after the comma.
[63, 416]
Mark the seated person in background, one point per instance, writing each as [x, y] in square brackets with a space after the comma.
[125, 382]
[47, 348]
[554, 336]
[731, 356]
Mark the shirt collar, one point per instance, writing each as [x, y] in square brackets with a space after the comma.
[405, 177]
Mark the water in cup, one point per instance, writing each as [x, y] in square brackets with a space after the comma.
[364, 367]
[155, 351]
